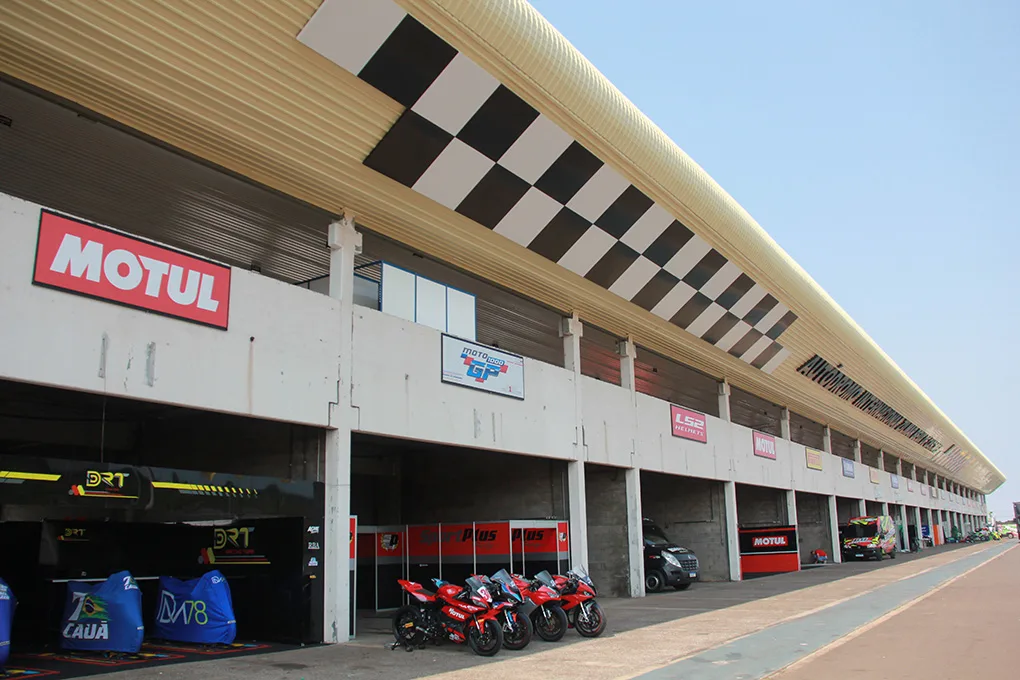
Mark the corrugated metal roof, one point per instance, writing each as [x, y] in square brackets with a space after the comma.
[228, 82]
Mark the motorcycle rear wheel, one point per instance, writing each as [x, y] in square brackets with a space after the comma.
[487, 643]
[553, 629]
[596, 623]
[520, 636]
[408, 635]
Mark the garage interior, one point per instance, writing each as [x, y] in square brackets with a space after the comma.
[692, 512]
[92, 485]
[813, 528]
[426, 510]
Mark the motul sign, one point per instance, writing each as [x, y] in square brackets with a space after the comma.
[770, 542]
[764, 445]
[81, 258]
[689, 424]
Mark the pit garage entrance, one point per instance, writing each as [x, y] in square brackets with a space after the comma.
[692, 513]
[767, 531]
[814, 530]
[92, 486]
[427, 511]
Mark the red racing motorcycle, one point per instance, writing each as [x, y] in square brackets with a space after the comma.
[578, 595]
[543, 605]
[451, 613]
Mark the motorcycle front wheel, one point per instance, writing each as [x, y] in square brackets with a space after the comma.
[519, 635]
[550, 622]
[407, 626]
[487, 643]
[595, 623]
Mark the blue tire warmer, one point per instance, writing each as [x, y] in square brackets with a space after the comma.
[198, 611]
[103, 617]
[7, 604]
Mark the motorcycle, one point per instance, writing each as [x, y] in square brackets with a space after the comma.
[458, 613]
[517, 628]
[543, 605]
[578, 594]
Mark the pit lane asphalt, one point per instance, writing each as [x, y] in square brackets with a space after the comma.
[368, 655]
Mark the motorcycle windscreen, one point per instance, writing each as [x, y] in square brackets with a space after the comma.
[199, 611]
[7, 605]
[103, 617]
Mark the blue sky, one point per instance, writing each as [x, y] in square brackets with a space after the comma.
[878, 143]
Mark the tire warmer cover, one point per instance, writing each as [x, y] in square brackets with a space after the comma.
[7, 604]
[199, 611]
[103, 617]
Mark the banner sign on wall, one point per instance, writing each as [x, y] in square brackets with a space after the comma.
[910, 485]
[472, 365]
[689, 424]
[873, 472]
[814, 458]
[895, 481]
[848, 468]
[924, 489]
[764, 445]
[773, 550]
[78, 257]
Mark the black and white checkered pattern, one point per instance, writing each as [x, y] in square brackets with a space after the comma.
[466, 141]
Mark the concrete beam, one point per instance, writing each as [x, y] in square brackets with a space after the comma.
[732, 529]
[344, 243]
[827, 439]
[571, 331]
[835, 549]
[784, 424]
[724, 401]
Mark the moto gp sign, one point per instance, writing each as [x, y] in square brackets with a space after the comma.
[764, 445]
[484, 368]
[82, 258]
[689, 424]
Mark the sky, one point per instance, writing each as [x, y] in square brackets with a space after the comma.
[878, 143]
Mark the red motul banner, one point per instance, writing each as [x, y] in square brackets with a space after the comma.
[689, 424]
[96, 262]
[764, 445]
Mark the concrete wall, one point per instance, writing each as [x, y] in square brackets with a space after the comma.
[446, 484]
[692, 512]
[607, 528]
[845, 509]
[276, 361]
[759, 506]
[397, 391]
[813, 524]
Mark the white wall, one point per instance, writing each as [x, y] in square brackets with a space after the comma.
[398, 392]
[277, 360]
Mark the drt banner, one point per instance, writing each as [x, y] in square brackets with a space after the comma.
[104, 617]
[7, 605]
[199, 611]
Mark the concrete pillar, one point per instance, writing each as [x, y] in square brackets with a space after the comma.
[862, 507]
[835, 549]
[344, 243]
[724, 401]
[635, 534]
[905, 538]
[857, 452]
[784, 424]
[885, 508]
[791, 507]
[571, 331]
[917, 523]
[827, 439]
[881, 460]
[732, 529]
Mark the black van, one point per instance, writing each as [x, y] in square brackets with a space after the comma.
[666, 563]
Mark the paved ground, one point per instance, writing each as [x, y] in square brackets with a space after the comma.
[645, 635]
[970, 629]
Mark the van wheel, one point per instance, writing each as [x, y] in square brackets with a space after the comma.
[893, 554]
[654, 581]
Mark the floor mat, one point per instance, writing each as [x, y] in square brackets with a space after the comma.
[69, 664]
